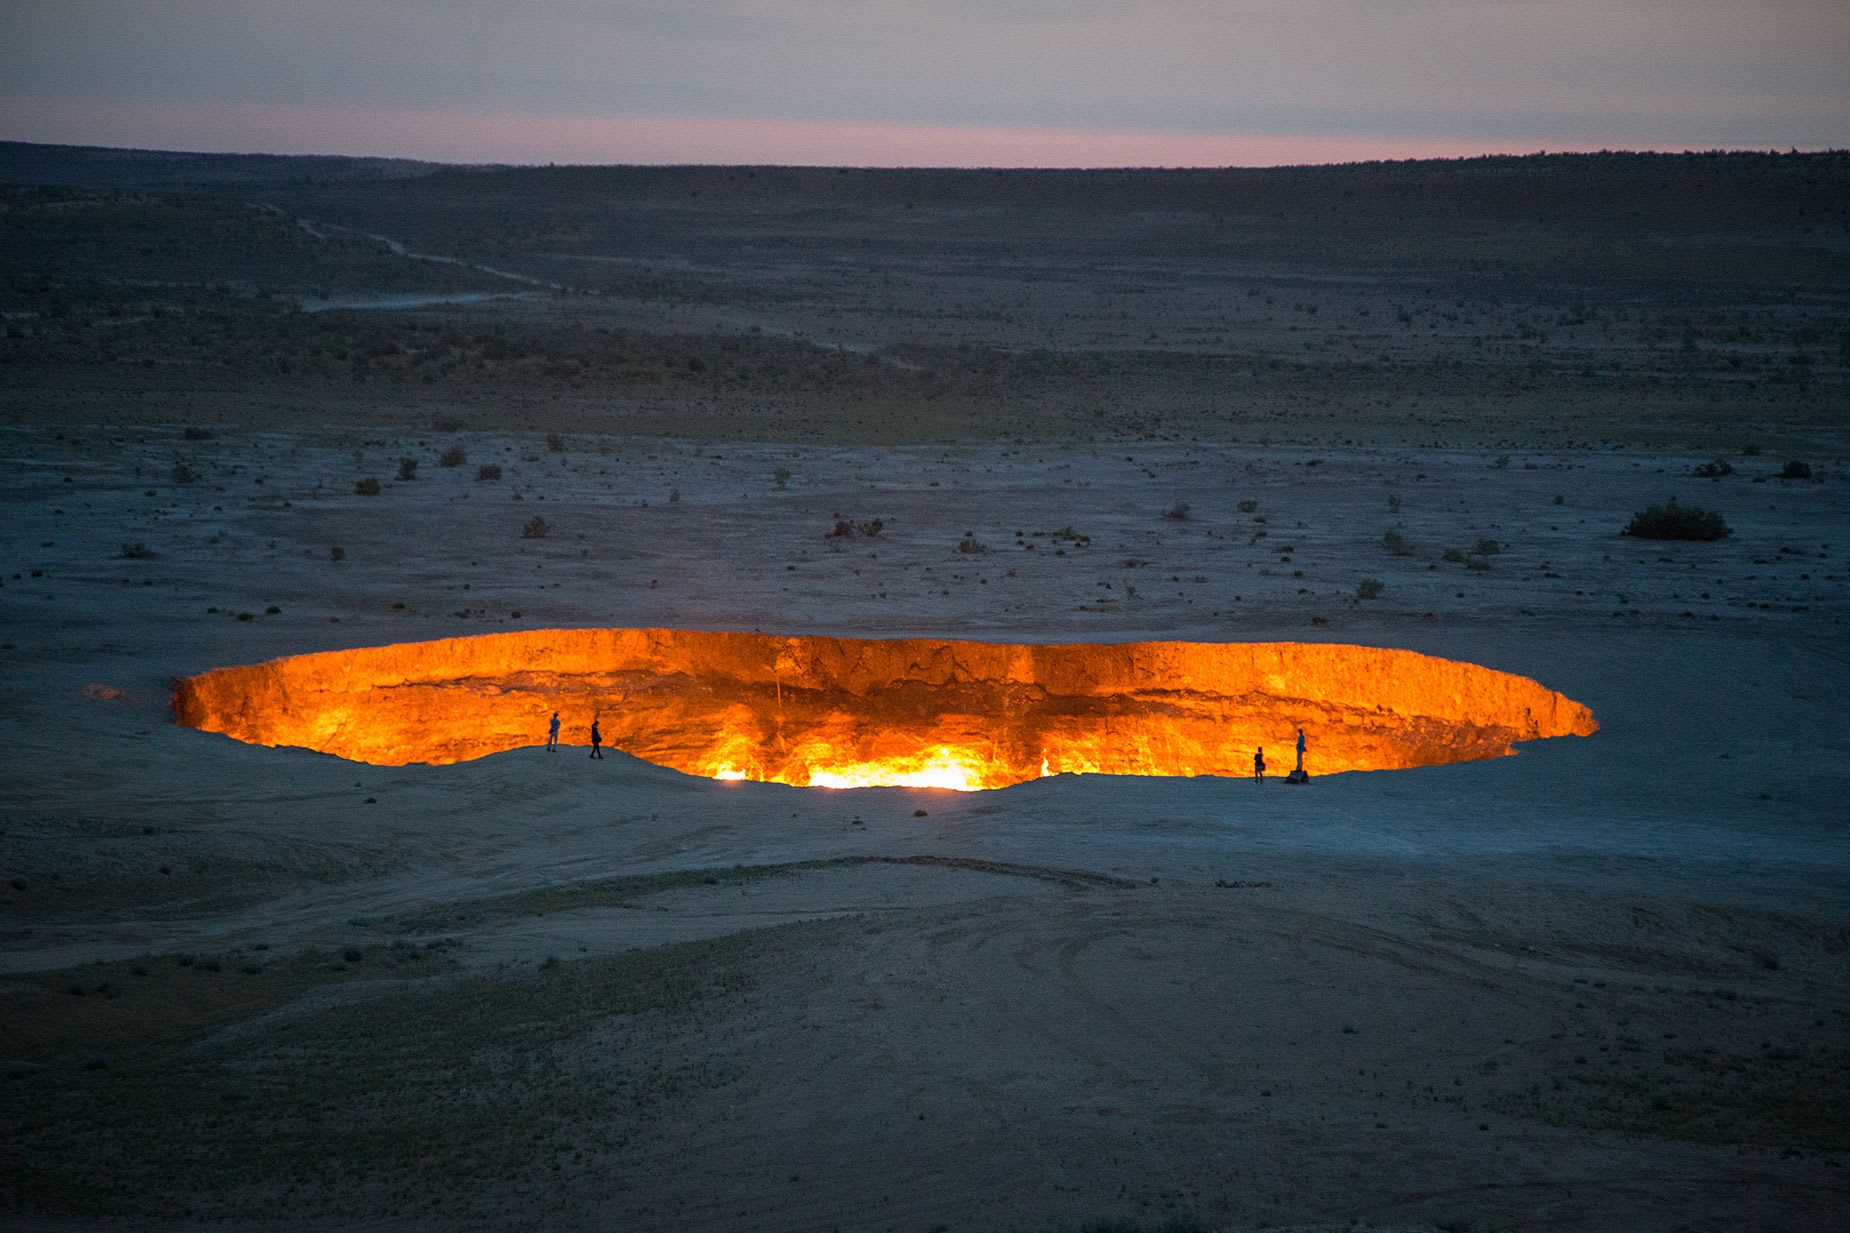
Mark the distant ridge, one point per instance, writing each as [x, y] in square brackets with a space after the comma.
[27, 162]
[1716, 185]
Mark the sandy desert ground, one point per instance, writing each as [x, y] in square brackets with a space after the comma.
[1600, 984]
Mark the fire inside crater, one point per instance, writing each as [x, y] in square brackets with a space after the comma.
[820, 711]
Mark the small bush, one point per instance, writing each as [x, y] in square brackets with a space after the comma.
[486, 472]
[1501, 462]
[555, 443]
[337, 553]
[1369, 588]
[969, 545]
[407, 468]
[1714, 470]
[368, 487]
[1795, 470]
[1487, 548]
[446, 423]
[1177, 512]
[1454, 555]
[455, 456]
[192, 433]
[538, 528]
[1397, 544]
[1248, 506]
[1673, 521]
[183, 472]
[136, 552]
[781, 477]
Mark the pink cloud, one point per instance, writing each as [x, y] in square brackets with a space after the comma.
[533, 137]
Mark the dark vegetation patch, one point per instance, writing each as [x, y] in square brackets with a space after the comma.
[161, 999]
[450, 1096]
[1673, 521]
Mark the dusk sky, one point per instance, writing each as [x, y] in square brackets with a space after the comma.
[972, 82]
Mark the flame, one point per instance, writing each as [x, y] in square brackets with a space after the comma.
[850, 713]
[956, 769]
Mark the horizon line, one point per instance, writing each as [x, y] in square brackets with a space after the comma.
[1792, 151]
[511, 139]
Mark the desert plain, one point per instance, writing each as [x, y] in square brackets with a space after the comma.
[1599, 984]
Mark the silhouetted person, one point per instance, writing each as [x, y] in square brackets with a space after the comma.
[597, 741]
[1259, 765]
[552, 734]
[1300, 749]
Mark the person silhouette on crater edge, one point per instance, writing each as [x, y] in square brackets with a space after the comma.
[597, 741]
[552, 734]
[1300, 750]
[1259, 765]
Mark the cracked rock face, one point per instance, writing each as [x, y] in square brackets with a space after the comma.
[849, 712]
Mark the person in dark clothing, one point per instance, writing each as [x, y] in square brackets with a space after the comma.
[597, 741]
[1300, 750]
[552, 734]
[1259, 765]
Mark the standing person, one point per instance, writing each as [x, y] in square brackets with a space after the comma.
[1300, 751]
[1259, 765]
[597, 741]
[552, 734]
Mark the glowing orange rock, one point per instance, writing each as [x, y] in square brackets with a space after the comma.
[858, 712]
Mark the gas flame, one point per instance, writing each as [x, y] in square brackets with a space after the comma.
[849, 713]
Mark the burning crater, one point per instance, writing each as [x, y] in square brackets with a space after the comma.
[854, 712]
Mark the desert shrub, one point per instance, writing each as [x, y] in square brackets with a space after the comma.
[1177, 512]
[1673, 521]
[1369, 588]
[1795, 470]
[183, 472]
[781, 477]
[1393, 503]
[455, 456]
[1454, 555]
[555, 443]
[1501, 462]
[337, 553]
[1714, 470]
[368, 487]
[1397, 544]
[969, 544]
[845, 529]
[407, 468]
[1487, 548]
[136, 552]
[1248, 506]
[488, 471]
[537, 528]
[445, 423]
[192, 433]
[1750, 450]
